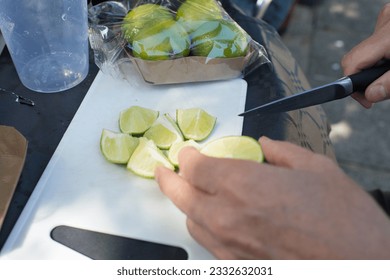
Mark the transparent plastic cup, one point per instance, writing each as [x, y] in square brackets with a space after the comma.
[48, 41]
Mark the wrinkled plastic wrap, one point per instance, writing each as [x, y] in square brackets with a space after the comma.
[171, 41]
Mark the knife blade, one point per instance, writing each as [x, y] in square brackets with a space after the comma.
[336, 90]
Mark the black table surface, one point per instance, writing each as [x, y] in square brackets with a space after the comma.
[44, 124]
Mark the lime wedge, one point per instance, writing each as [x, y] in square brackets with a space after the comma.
[164, 132]
[146, 158]
[117, 147]
[237, 147]
[195, 123]
[173, 123]
[175, 149]
[136, 120]
[162, 136]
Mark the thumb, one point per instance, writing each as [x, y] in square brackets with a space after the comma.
[379, 90]
[285, 154]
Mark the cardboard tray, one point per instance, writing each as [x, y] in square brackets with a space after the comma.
[191, 69]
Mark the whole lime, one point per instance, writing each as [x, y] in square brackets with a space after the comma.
[193, 13]
[220, 39]
[141, 16]
[161, 41]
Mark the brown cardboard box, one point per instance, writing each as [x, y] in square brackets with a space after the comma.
[195, 68]
[189, 69]
[13, 149]
[113, 54]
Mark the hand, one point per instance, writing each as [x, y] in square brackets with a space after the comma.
[299, 205]
[367, 54]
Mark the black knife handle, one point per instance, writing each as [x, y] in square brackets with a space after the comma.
[363, 79]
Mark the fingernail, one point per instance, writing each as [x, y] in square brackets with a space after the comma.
[265, 138]
[376, 93]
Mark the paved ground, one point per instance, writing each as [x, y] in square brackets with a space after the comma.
[319, 36]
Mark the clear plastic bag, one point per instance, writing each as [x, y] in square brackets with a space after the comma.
[171, 41]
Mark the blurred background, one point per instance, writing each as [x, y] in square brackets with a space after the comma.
[318, 34]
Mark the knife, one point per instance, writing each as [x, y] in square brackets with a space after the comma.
[339, 89]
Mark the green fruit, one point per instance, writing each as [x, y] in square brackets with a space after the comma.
[161, 41]
[136, 120]
[193, 13]
[236, 147]
[174, 150]
[117, 147]
[146, 158]
[195, 123]
[141, 16]
[164, 132]
[220, 39]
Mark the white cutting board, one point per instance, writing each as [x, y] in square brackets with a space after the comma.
[79, 188]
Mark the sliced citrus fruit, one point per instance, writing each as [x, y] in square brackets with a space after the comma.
[136, 120]
[162, 136]
[237, 147]
[117, 147]
[173, 123]
[164, 132]
[195, 123]
[175, 149]
[146, 158]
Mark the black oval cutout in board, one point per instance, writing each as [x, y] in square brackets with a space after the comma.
[103, 246]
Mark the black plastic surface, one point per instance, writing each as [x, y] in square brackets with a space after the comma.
[102, 246]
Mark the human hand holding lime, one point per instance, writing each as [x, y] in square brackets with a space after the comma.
[307, 213]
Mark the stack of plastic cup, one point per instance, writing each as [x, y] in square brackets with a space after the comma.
[48, 41]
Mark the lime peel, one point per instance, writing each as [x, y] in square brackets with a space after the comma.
[143, 154]
[117, 147]
[146, 157]
[162, 136]
[136, 120]
[237, 147]
[169, 118]
[195, 123]
[175, 149]
[164, 132]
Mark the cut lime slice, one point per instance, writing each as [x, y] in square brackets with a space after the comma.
[146, 158]
[117, 147]
[195, 123]
[164, 132]
[175, 149]
[173, 123]
[136, 120]
[237, 147]
[162, 136]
